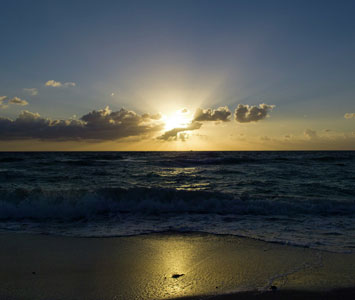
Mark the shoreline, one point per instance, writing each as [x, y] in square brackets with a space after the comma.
[143, 267]
[335, 294]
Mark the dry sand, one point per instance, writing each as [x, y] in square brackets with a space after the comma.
[142, 267]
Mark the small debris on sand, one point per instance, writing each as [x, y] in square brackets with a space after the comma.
[177, 275]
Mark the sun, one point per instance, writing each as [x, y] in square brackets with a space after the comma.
[179, 119]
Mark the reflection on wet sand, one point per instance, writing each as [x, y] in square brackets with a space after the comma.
[160, 266]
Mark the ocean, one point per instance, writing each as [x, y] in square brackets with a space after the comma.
[302, 198]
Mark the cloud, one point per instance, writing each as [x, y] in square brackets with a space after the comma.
[14, 100]
[245, 113]
[53, 83]
[2, 105]
[72, 84]
[349, 116]
[264, 138]
[310, 140]
[31, 91]
[220, 114]
[183, 136]
[310, 134]
[100, 125]
[18, 101]
[179, 133]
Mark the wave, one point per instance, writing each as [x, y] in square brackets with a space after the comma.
[231, 158]
[192, 161]
[10, 159]
[335, 158]
[41, 204]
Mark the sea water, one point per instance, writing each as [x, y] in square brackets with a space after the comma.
[299, 198]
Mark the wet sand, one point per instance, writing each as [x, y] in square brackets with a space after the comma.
[143, 267]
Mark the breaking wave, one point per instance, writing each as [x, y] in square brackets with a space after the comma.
[41, 204]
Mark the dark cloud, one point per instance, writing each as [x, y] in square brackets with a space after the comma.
[97, 125]
[220, 114]
[245, 113]
[179, 133]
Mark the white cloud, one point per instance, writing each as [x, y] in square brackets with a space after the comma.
[2, 105]
[70, 84]
[18, 101]
[14, 100]
[53, 83]
[31, 91]
[349, 116]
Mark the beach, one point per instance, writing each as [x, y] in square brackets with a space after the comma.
[168, 265]
[177, 150]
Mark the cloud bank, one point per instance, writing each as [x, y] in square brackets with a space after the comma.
[105, 125]
[100, 125]
[245, 113]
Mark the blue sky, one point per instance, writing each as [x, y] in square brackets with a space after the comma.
[296, 55]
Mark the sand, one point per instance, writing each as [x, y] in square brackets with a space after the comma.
[143, 267]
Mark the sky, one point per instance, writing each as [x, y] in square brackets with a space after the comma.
[177, 75]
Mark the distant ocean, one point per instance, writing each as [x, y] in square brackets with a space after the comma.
[298, 198]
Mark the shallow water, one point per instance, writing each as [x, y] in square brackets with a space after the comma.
[299, 198]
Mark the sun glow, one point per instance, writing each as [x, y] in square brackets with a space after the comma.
[179, 119]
